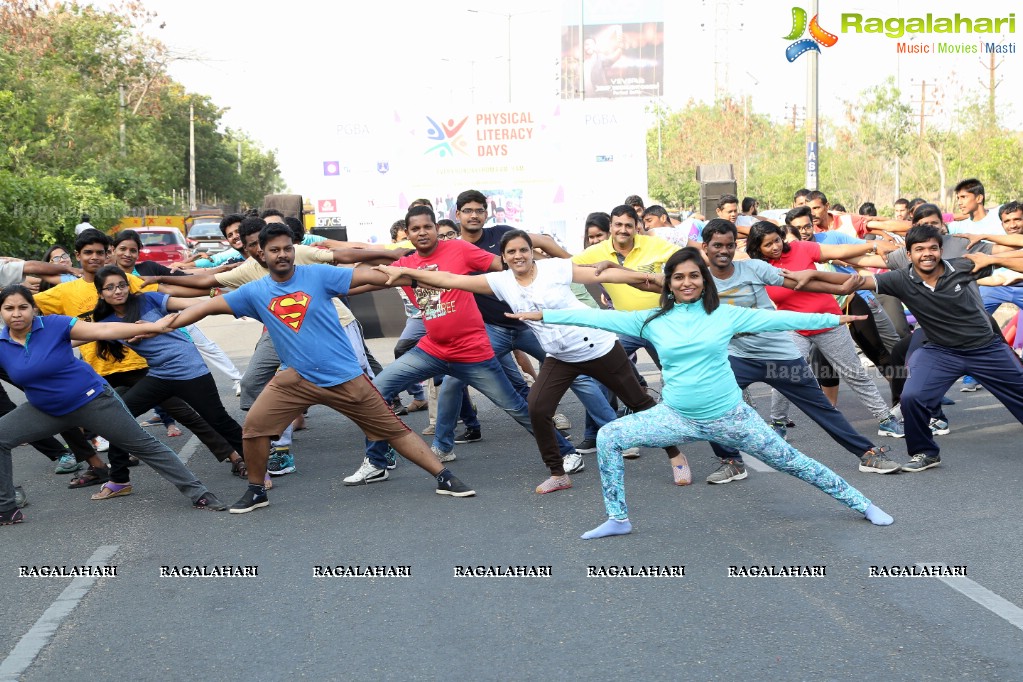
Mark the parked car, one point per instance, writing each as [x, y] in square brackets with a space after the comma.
[205, 235]
[164, 245]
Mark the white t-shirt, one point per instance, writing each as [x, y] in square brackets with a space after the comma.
[11, 272]
[989, 224]
[551, 291]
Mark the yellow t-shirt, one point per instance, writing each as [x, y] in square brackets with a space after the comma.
[648, 255]
[78, 299]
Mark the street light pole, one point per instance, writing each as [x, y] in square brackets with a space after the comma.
[508, 17]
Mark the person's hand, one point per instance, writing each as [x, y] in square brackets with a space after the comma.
[801, 277]
[971, 239]
[533, 315]
[393, 273]
[32, 284]
[846, 319]
[884, 247]
[151, 279]
[854, 283]
[980, 260]
[161, 326]
[226, 267]
[602, 266]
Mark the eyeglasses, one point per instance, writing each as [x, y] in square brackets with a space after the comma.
[448, 235]
[474, 211]
[63, 256]
[123, 286]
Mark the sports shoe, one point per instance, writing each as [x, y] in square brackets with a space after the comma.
[417, 406]
[444, 456]
[20, 497]
[9, 518]
[398, 407]
[392, 457]
[67, 464]
[970, 385]
[281, 461]
[554, 483]
[469, 436]
[429, 430]
[921, 462]
[367, 473]
[454, 487]
[210, 502]
[781, 428]
[730, 470]
[573, 463]
[939, 427]
[237, 389]
[101, 444]
[876, 461]
[561, 422]
[631, 453]
[891, 427]
[587, 446]
[249, 501]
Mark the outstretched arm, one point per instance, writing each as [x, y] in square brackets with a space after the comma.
[817, 281]
[347, 256]
[114, 331]
[41, 269]
[434, 278]
[548, 246]
[192, 314]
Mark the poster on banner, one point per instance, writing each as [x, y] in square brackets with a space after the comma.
[612, 49]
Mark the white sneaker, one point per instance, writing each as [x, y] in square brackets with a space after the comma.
[101, 444]
[561, 422]
[238, 388]
[443, 456]
[631, 453]
[367, 473]
[573, 463]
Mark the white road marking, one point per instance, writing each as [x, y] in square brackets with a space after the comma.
[189, 449]
[29, 646]
[755, 464]
[999, 606]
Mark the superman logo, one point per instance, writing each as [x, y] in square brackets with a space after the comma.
[290, 309]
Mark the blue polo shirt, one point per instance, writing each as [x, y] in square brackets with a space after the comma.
[45, 368]
[303, 322]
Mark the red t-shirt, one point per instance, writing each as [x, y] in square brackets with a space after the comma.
[851, 224]
[802, 256]
[454, 326]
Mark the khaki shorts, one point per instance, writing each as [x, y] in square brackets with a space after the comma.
[288, 394]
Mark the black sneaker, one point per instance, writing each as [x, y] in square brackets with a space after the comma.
[209, 501]
[453, 487]
[249, 501]
[469, 436]
[20, 498]
[921, 462]
[587, 446]
[9, 518]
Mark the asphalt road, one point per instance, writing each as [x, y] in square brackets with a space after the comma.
[287, 623]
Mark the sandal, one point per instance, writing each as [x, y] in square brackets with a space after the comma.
[173, 431]
[268, 482]
[91, 476]
[112, 490]
[155, 421]
[239, 469]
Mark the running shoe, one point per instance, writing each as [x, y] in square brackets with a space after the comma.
[561, 422]
[367, 473]
[11, 517]
[587, 446]
[430, 430]
[921, 462]
[20, 497]
[876, 461]
[444, 456]
[631, 453]
[469, 436]
[210, 502]
[891, 427]
[970, 385]
[392, 457]
[554, 483]
[249, 502]
[67, 464]
[573, 463]
[454, 487]
[281, 461]
[939, 427]
[730, 470]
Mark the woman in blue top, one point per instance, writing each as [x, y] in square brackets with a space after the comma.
[65, 392]
[702, 401]
[176, 369]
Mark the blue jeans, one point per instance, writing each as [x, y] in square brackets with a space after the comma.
[794, 380]
[504, 340]
[487, 377]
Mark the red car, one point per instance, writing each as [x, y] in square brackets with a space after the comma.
[164, 245]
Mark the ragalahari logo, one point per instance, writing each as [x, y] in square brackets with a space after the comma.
[447, 137]
[290, 309]
[817, 35]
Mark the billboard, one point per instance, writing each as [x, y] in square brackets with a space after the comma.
[612, 49]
